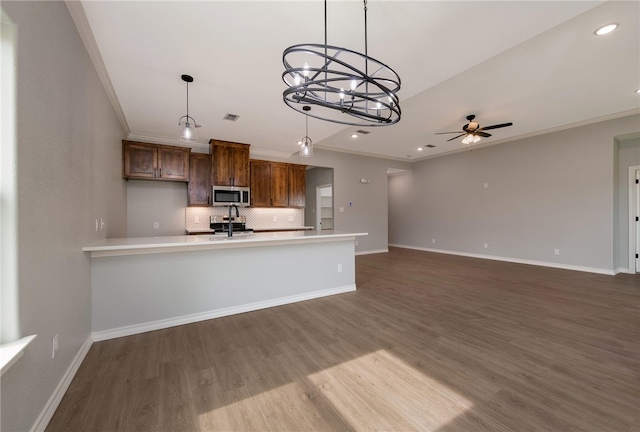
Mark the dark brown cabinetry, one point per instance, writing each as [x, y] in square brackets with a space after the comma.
[297, 185]
[230, 163]
[276, 184]
[154, 162]
[199, 187]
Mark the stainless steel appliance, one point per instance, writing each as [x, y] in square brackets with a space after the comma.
[230, 195]
[220, 224]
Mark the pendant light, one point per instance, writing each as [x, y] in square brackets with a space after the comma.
[346, 86]
[306, 145]
[187, 124]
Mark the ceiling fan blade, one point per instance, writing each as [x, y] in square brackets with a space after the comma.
[456, 137]
[482, 134]
[442, 133]
[495, 126]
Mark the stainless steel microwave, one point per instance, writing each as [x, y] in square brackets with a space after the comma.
[230, 195]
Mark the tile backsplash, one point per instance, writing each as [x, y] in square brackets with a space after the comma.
[256, 217]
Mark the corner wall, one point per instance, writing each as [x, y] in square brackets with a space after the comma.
[553, 191]
[68, 174]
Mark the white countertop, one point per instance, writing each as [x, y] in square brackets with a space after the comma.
[303, 228]
[146, 245]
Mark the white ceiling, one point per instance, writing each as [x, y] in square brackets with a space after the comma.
[537, 64]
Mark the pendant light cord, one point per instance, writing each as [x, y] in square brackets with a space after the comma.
[187, 101]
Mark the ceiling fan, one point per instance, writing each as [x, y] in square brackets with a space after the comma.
[473, 131]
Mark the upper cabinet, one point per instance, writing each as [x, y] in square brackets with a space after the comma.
[199, 186]
[277, 184]
[297, 185]
[154, 162]
[230, 163]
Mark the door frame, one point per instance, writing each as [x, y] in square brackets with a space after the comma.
[633, 213]
[319, 204]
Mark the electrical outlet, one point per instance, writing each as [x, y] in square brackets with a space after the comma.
[275, 218]
[341, 209]
[290, 218]
[96, 225]
[556, 251]
[339, 268]
[433, 240]
[486, 245]
[54, 346]
[156, 225]
[486, 185]
[197, 219]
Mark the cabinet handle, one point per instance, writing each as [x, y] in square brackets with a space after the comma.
[160, 172]
[155, 172]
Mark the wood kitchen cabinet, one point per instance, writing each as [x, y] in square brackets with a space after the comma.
[277, 184]
[297, 185]
[154, 162]
[199, 186]
[230, 163]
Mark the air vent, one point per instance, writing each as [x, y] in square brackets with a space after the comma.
[430, 145]
[362, 132]
[231, 117]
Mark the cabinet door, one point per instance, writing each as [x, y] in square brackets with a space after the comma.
[222, 175]
[199, 186]
[173, 163]
[240, 166]
[139, 161]
[260, 184]
[297, 185]
[279, 184]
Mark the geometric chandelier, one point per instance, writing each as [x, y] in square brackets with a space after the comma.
[344, 86]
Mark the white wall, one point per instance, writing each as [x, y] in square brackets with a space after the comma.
[155, 201]
[545, 192]
[69, 164]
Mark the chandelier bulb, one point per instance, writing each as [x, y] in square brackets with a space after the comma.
[305, 70]
[297, 79]
[354, 84]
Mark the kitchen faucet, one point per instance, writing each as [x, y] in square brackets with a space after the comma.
[230, 220]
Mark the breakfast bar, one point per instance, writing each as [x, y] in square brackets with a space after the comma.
[149, 283]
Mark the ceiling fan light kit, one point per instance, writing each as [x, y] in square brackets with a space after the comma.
[472, 131]
[187, 124]
[346, 86]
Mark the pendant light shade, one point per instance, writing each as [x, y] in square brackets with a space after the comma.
[306, 145]
[188, 124]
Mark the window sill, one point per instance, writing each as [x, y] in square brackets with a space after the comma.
[11, 352]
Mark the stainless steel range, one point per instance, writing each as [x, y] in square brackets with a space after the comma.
[220, 224]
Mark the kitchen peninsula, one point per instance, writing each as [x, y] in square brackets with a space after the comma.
[150, 283]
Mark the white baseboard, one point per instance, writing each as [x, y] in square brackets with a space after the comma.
[513, 260]
[52, 404]
[623, 270]
[373, 251]
[217, 313]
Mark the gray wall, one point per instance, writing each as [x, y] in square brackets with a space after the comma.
[545, 192]
[156, 201]
[627, 155]
[315, 177]
[69, 165]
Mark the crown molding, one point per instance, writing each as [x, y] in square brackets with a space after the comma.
[84, 29]
[166, 141]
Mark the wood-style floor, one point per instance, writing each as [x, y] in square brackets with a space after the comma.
[429, 342]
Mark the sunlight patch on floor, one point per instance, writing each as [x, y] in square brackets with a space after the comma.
[379, 391]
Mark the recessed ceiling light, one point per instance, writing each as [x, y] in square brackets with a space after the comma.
[638, 91]
[606, 29]
[419, 149]
[354, 135]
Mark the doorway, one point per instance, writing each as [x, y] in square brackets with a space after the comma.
[324, 206]
[634, 216]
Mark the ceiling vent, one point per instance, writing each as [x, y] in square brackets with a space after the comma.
[430, 145]
[231, 117]
[362, 132]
